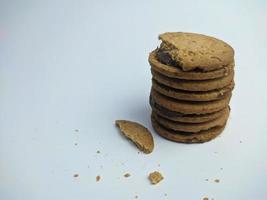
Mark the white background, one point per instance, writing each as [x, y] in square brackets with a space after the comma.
[67, 65]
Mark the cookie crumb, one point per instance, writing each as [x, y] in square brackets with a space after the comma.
[75, 175]
[206, 179]
[127, 175]
[216, 180]
[97, 178]
[136, 196]
[76, 130]
[205, 198]
[98, 151]
[155, 177]
[75, 144]
[221, 168]
[165, 194]
[240, 141]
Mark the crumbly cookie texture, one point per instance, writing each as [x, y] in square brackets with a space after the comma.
[189, 128]
[192, 95]
[196, 51]
[177, 136]
[193, 85]
[155, 177]
[179, 117]
[138, 134]
[188, 107]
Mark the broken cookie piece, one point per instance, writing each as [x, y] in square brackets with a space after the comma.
[97, 178]
[155, 177]
[138, 134]
[127, 175]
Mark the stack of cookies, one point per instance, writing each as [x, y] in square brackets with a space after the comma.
[191, 86]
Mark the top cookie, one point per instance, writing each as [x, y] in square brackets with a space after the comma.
[193, 51]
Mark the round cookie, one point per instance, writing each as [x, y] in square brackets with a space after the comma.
[189, 107]
[189, 127]
[192, 96]
[180, 117]
[196, 51]
[193, 85]
[177, 72]
[178, 136]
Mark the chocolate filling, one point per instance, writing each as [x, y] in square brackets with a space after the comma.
[164, 57]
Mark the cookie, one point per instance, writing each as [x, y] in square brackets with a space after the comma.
[177, 72]
[193, 85]
[138, 134]
[191, 51]
[192, 96]
[189, 107]
[179, 136]
[188, 118]
[189, 127]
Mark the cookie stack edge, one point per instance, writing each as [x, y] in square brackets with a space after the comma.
[192, 83]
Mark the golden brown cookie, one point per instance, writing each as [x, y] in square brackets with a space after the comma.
[177, 72]
[191, 127]
[188, 118]
[196, 51]
[189, 107]
[193, 85]
[138, 134]
[179, 136]
[192, 96]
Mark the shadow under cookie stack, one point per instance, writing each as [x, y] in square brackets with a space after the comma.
[192, 85]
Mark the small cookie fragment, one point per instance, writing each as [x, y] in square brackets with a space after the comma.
[127, 175]
[155, 177]
[97, 178]
[217, 180]
[205, 198]
[75, 175]
[138, 134]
